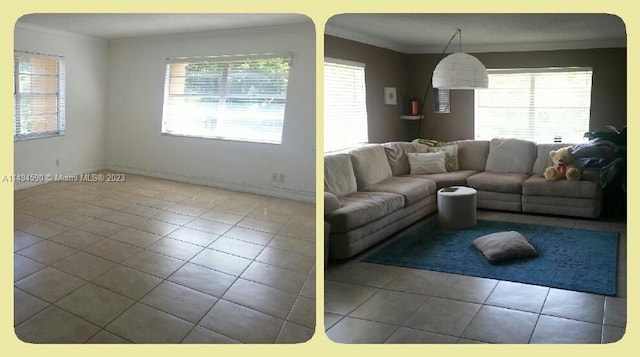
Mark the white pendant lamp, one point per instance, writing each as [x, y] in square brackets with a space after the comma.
[460, 71]
[456, 71]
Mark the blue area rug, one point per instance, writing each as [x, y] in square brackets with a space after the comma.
[568, 258]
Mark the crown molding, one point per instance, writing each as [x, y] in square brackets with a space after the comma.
[480, 48]
[524, 47]
[50, 30]
[364, 38]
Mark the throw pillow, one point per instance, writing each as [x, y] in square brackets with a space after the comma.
[426, 163]
[504, 245]
[450, 158]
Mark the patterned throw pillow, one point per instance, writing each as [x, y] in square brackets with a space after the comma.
[426, 163]
[450, 158]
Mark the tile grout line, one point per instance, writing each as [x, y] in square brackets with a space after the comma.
[298, 296]
[229, 287]
[538, 316]
[143, 248]
[478, 312]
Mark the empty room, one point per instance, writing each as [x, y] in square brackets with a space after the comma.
[164, 176]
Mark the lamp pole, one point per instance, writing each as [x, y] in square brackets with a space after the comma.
[426, 91]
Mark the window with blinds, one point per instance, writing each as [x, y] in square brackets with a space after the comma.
[544, 105]
[38, 96]
[345, 108]
[230, 97]
[441, 101]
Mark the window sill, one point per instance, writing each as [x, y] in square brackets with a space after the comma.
[222, 138]
[45, 136]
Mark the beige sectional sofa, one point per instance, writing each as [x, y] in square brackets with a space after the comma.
[365, 203]
[370, 193]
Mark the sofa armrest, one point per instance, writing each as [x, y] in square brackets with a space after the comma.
[331, 203]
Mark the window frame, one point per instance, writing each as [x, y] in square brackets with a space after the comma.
[231, 60]
[534, 109]
[364, 126]
[59, 96]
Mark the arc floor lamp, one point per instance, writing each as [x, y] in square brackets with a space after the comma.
[456, 71]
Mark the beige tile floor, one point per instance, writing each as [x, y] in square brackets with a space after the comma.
[372, 303]
[156, 261]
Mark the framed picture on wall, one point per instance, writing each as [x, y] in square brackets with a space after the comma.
[390, 96]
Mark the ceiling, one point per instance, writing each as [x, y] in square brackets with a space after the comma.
[408, 33]
[115, 26]
[429, 33]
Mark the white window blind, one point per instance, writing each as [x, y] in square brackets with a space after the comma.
[441, 99]
[543, 105]
[39, 100]
[345, 107]
[229, 97]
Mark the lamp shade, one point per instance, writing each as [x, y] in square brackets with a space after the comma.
[460, 71]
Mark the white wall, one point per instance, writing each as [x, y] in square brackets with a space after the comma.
[82, 148]
[134, 112]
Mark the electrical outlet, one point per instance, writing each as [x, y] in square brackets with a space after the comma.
[57, 162]
[281, 179]
[274, 177]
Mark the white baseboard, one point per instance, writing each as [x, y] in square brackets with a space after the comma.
[267, 191]
[22, 185]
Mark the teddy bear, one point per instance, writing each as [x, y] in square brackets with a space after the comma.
[561, 169]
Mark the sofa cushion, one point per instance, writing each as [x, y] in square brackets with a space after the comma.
[360, 208]
[451, 156]
[370, 165]
[543, 159]
[446, 179]
[413, 189]
[539, 186]
[339, 178]
[397, 155]
[497, 182]
[426, 163]
[565, 206]
[511, 156]
[472, 154]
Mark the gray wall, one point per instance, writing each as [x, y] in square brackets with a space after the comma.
[411, 73]
[608, 95]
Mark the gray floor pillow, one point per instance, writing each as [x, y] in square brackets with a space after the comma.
[501, 246]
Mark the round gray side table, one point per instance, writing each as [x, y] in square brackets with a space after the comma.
[457, 207]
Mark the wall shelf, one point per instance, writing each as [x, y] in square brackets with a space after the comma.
[411, 117]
